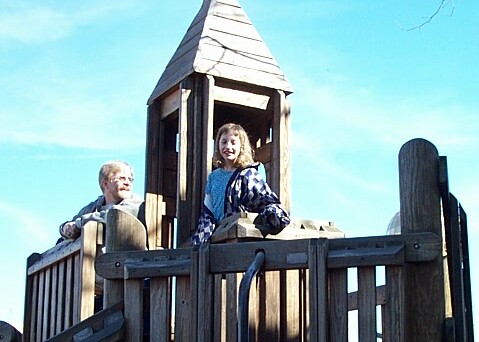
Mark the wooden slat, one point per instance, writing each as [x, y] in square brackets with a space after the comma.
[53, 301]
[367, 303]
[33, 309]
[394, 320]
[205, 294]
[76, 289]
[170, 103]
[52, 257]
[133, 300]
[41, 302]
[160, 310]
[338, 305]
[392, 255]
[67, 322]
[218, 308]
[111, 265]
[61, 297]
[87, 271]
[318, 250]
[232, 285]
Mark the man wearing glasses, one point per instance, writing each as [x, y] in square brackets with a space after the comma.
[116, 183]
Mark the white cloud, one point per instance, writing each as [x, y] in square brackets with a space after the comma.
[29, 23]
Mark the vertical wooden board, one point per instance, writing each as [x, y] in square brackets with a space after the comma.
[205, 295]
[183, 319]
[152, 203]
[68, 293]
[218, 307]
[291, 323]
[60, 297]
[53, 300]
[46, 305]
[160, 310]
[270, 301]
[232, 285]
[317, 264]
[393, 329]
[280, 160]
[338, 305]
[33, 307]
[367, 303]
[41, 303]
[133, 300]
[76, 288]
[87, 271]
[193, 290]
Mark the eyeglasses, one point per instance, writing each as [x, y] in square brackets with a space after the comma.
[123, 179]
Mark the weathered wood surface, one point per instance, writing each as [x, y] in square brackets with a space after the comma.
[123, 232]
[280, 255]
[106, 326]
[60, 285]
[421, 212]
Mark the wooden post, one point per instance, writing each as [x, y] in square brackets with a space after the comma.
[124, 232]
[420, 212]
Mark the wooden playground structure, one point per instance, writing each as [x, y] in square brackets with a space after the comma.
[241, 286]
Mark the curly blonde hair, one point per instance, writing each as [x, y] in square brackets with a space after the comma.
[246, 155]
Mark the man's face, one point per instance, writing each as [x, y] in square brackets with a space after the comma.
[119, 186]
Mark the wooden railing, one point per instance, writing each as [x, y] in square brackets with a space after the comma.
[60, 285]
[301, 293]
[322, 264]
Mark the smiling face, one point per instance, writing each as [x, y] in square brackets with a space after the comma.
[229, 147]
[118, 186]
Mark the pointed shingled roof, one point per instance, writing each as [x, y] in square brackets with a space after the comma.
[222, 42]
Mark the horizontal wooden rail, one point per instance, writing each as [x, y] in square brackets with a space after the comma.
[280, 255]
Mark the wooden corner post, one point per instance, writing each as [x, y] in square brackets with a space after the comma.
[421, 212]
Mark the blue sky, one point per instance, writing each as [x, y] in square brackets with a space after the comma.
[75, 78]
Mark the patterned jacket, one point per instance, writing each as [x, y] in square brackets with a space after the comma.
[246, 191]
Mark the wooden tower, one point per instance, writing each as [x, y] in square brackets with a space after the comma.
[222, 71]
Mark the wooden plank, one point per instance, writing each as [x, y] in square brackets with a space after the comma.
[318, 250]
[76, 289]
[338, 305]
[87, 271]
[39, 335]
[456, 269]
[61, 297]
[151, 269]
[96, 322]
[293, 254]
[194, 295]
[67, 318]
[170, 103]
[242, 98]
[391, 255]
[133, 301]
[394, 312]
[280, 156]
[367, 303]
[160, 310]
[183, 315]
[380, 298]
[111, 265]
[205, 295]
[219, 54]
[46, 304]
[34, 309]
[53, 300]
[218, 308]
[51, 258]
[232, 285]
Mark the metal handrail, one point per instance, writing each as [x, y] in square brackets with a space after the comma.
[243, 295]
